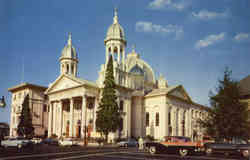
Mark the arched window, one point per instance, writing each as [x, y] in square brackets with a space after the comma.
[157, 119]
[67, 71]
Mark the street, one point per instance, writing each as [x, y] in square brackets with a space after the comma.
[99, 153]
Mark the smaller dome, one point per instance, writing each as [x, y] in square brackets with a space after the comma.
[115, 30]
[69, 51]
[137, 70]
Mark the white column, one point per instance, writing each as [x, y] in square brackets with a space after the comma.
[50, 119]
[166, 121]
[107, 54]
[177, 121]
[180, 122]
[112, 52]
[123, 57]
[174, 121]
[119, 55]
[83, 121]
[163, 121]
[189, 123]
[70, 68]
[71, 117]
[95, 110]
[128, 118]
[60, 118]
[54, 118]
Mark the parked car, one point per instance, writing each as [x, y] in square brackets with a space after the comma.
[50, 141]
[128, 143]
[174, 144]
[66, 142]
[239, 147]
[18, 142]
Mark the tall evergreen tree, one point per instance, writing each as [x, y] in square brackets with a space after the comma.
[25, 127]
[228, 116]
[108, 115]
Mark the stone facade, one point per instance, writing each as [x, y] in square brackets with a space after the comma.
[150, 105]
[38, 107]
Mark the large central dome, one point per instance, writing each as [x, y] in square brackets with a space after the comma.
[115, 30]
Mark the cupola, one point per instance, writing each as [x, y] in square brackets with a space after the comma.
[69, 59]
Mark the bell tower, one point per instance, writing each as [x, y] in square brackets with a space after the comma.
[69, 59]
[115, 41]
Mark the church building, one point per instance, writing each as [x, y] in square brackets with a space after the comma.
[151, 106]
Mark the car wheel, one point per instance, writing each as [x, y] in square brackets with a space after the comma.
[209, 151]
[152, 150]
[183, 152]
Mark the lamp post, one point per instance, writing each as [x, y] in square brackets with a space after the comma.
[2, 102]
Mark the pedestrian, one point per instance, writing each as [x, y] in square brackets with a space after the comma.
[141, 144]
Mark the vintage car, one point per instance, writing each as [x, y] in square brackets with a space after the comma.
[174, 144]
[18, 142]
[239, 147]
[128, 143]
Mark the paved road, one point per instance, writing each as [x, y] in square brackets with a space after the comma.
[95, 153]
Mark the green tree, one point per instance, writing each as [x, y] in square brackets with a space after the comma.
[108, 114]
[25, 127]
[228, 116]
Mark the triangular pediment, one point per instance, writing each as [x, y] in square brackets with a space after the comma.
[63, 82]
[180, 93]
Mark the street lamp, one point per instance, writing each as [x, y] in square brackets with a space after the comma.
[2, 102]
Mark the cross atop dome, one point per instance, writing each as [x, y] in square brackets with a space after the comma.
[115, 20]
[70, 39]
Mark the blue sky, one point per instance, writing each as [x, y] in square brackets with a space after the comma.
[190, 42]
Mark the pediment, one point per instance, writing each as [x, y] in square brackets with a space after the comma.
[180, 93]
[63, 82]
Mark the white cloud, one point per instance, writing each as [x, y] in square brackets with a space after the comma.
[162, 4]
[207, 15]
[209, 40]
[143, 26]
[241, 36]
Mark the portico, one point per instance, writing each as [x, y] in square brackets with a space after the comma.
[72, 109]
